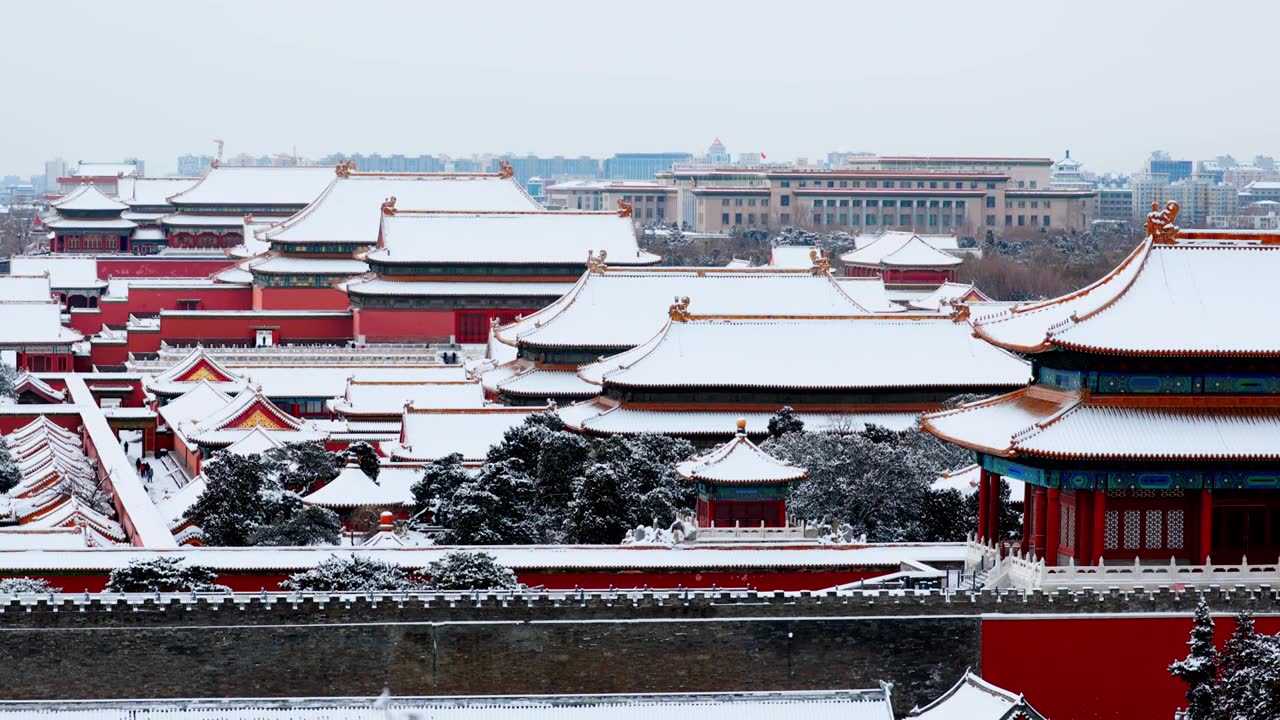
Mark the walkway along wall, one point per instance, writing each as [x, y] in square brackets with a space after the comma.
[284, 645]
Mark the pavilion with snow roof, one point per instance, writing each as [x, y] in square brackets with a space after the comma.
[741, 485]
[1152, 431]
[89, 221]
[702, 372]
[31, 390]
[973, 698]
[613, 309]
[353, 491]
[147, 203]
[902, 259]
[448, 274]
[210, 213]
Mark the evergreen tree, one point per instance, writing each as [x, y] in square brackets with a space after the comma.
[491, 509]
[297, 524]
[302, 467]
[947, 515]
[462, 570]
[230, 508]
[1249, 684]
[440, 479]
[562, 458]
[1199, 670]
[598, 512]
[10, 475]
[785, 421]
[8, 377]
[12, 586]
[367, 457]
[163, 574]
[351, 574]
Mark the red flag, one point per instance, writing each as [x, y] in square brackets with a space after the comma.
[762, 157]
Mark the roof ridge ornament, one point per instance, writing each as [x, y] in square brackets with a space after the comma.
[1160, 223]
[821, 263]
[505, 171]
[595, 263]
[679, 311]
[214, 163]
[625, 209]
[344, 168]
[389, 207]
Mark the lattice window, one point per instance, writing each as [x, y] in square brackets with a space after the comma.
[1155, 536]
[1176, 533]
[1132, 529]
[1070, 526]
[1111, 531]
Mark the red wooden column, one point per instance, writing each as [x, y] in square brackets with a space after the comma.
[1028, 507]
[1204, 546]
[1042, 503]
[993, 512]
[983, 491]
[1084, 527]
[1099, 526]
[1053, 527]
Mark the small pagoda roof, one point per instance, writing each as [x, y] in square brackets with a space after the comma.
[256, 186]
[601, 416]
[948, 293]
[833, 353]
[85, 198]
[624, 307]
[506, 238]
[976, 699]
[151, 192]
[740, 462]
[25, 288]
[254, 442]
[1044, 422]
[897, 250]
[352, 488]
[349, 211]
[430, 434]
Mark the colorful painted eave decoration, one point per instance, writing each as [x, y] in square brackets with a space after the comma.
[1129, 479]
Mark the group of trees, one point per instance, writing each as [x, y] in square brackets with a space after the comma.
[257, 499]
[1240, 682]
[543, 484]
[9, 474]
[1048, 265]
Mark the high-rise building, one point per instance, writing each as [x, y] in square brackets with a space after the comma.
[194, 165]
[642, 166]
[717, 154]
[1161, 164]
[1066, 175]
[54, 169]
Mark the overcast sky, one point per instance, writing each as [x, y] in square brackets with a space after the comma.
[1110, 80]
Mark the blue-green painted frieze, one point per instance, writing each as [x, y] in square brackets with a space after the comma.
[1092, 478]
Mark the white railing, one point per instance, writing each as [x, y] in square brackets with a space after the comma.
[763, 534]
[1155, 574]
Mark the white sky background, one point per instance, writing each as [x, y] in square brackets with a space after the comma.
[1109, 79]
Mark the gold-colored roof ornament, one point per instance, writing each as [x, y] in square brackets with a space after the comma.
[821, 263]
[505, 170]
[679, 311]
[595, 263]
[624, 208]
[344, 168]
[389, 207]
[1160, 223]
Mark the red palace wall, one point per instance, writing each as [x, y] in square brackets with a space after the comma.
[104, 354]
[155, 299]
[143, 341]
[69, 420]
[1095, 667]
[403, 325]
[242, 328]
[299, 299]
[150, 266]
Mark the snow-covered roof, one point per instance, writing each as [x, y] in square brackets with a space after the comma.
[328, 381]
[899, 249]
[350, 209]
[524, 378]
[198, 366]
[948, 293]
[388, 398]
[245, 412]
[25, 288]
[254, 442]
[35, 323]
[148, 233]
[1044, 422]
[173, 508]
[87, 197]
[26, 382]
[603, 417]
[870, 293]
[107, 170]
[530, 238]
[975, 699]
[373, 285]
[185, 219]
[353, 488]
[288, 265]
[740, 462]
[964, 480]
[65, 273]
[795, 257]
[622, 308]
[94, 223]
[151, 192]
[738, 263]
[863, 353]
[430, 434]
[201, 401]
[255, 186]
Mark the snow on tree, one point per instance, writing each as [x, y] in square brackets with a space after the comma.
[1199, 670]
[351, 574]
[163, 574]
[493, 508]
[653, 490]
[13, 586]
[1249, 682]
[294, 524]
[598, 513]
[462, 570]
[8, 378]
[562, 459]
[440, 480]
[230, 508]
[246, 500]
[785, 421]
[302, 467]
[947, 515]
[10, 475]
[367, 457]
